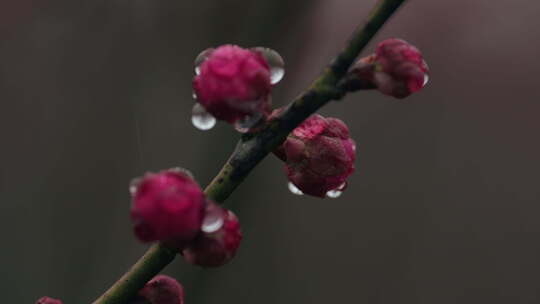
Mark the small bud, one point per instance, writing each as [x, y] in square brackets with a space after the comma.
[233, 84]
[319, 155]
[166, 206]
[219, 240]
[162, 289]
[47, 300]
[397, 68]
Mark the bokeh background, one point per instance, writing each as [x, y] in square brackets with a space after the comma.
[443, 208]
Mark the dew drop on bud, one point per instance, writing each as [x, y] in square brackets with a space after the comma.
[426, 80]
[201, 119]
[245, 124]
[333, 193]
[294, 189]
[133, 185]
[182, 171]
[276, 63]
[213, 220]
[132, 189]
[336, 192]
[201, 58]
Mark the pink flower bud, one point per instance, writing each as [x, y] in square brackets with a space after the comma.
[233, 83]
[167, 206]
[396, 69]
[319, 155]
[163, 289]
[47, 300]
[219, 240]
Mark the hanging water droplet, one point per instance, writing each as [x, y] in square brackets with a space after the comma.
[132, 189]
[213, 220]
[201, 119]
[245, 124]
[294, 189]
[276, 74]
[194, 95]
[276, 63]
[133, 185]
[426, 79]
[336, 192]
[342, 186]
[201, 58]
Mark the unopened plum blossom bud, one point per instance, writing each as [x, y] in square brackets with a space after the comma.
[219, 239]
[47, 300]
[233, 83]
[162, 289]
[397, 68]
[167, 206]
[319, 155]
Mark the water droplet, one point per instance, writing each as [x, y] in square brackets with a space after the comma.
[276, 74]
[182, 171]
[201, 119]
[201, 58]
[213, 220]
[336, 192]
[426, 79]
[245, 124]
[133, 185]
[194, 95]
[276, 63]
[294, 189]
[333, 193]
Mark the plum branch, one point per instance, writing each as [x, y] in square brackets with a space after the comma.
[254, 147]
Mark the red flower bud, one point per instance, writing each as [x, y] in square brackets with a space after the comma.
[168, 205]
[233, 83]
[47, 300]
[396, 69]
[162, 289]
[219, 240]
[319, 155]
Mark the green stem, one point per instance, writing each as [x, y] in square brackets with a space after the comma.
[151, 263]
[252, 148]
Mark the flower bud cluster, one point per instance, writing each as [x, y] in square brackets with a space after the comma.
[170, 207]
[234, 84]
[319, 156]
[396, 69]
[220, 240]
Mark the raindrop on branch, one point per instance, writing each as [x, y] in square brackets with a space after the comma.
[245, 124]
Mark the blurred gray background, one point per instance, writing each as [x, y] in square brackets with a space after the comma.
[443, 208]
